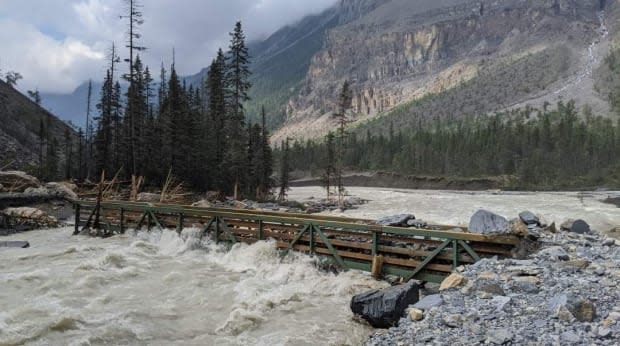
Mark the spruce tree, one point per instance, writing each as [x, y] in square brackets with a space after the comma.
[285, 169]
[216, 90]
[237, 82]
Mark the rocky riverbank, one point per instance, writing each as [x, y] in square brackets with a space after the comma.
[565, 294]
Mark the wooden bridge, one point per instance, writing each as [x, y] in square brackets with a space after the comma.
[427, 254]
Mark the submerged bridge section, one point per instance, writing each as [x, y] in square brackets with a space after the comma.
[428, 254]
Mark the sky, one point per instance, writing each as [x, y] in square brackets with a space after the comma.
[58, 44]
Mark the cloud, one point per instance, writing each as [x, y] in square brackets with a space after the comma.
[45, 63]
[64, 42]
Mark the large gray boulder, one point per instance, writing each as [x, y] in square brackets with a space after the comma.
[486, 222]
[383, 308]
[395, 220]
[575, 226]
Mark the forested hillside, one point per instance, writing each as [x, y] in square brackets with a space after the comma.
[560, 147]
[32, 138]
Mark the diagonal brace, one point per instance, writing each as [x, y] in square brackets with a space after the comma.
[330, 247]
[428, 259]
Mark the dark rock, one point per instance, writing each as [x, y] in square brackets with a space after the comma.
[383, 308]
[395, 220]
[581, 309]
[486, 222]
[15, 243]
[575, 226]
[529, 218]
[428, 302]
[493, 289]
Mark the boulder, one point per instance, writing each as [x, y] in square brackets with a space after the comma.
[517, 227]
[575, 226]
[148, 197]
[454, 280]
[554, 253]
[17, 181]
[15, 243]
[383, 308]
[30, 217]
[395, 220]
[529, 218]
[486, 222]
[62, 189]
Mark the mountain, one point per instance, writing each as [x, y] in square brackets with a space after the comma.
[409, 60]
[20, 121]
[72, 107]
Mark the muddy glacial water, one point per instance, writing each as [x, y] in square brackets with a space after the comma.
[162, 289]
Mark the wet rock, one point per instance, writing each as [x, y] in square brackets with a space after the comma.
[428, 302]
[395, 220]
[486, 222]
[529, 218]
[575, 226]
[15, 243]
[383, 308]
[452, 281]
[416, 314]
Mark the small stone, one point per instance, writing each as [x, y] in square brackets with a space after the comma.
[569, 336]
[576, 264]
[493, 289]
[608, 322]
[540, 323]
[488, 276]
[531, 279]
[454, 280]
[614, 315]
[453, 320]
[563, 314]
[501, 302]
[604, 332]
[609, 242]
[499, 336]
[416, 314]
[554, 253]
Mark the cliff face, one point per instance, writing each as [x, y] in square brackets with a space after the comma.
[394, 51]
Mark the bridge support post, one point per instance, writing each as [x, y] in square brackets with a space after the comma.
[77, 219]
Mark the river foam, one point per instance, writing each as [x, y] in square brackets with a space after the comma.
[160, 288]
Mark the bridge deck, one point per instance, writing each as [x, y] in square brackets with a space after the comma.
[427, 254]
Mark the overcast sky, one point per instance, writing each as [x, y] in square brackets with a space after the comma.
[58, 44]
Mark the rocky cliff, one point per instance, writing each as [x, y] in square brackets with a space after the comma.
[397, 51]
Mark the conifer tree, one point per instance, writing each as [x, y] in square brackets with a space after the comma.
[344, 104]
[216, 89]
[265, 169]
[237, 81]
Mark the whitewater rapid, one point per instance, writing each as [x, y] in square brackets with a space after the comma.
[162, 289]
